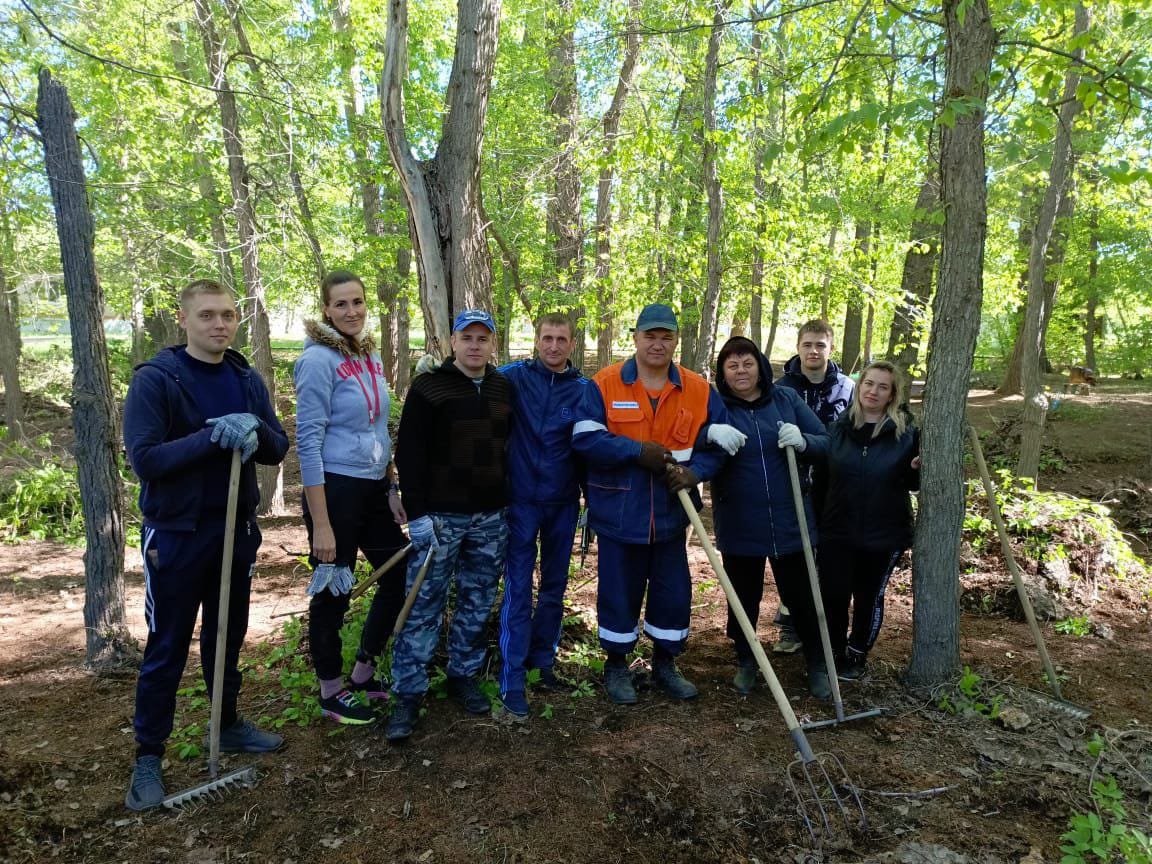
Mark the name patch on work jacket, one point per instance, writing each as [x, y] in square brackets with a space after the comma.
[625, 404]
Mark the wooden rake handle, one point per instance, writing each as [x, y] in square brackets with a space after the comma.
[222, 617]
[782, 703]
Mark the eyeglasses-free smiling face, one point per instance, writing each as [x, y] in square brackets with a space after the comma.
[346, 309]
[655, 347]
[472, 349]
[554, 345]
[210, 320]
[876, 393]
[742, 375]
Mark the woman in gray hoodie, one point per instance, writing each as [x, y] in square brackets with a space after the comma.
[351, 499]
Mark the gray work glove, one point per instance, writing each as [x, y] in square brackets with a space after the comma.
[727, 438]
[426, 364]
[789, 435]
[338, 580]
[236, 432]
[422, 533]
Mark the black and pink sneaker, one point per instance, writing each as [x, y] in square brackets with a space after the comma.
[375, 689]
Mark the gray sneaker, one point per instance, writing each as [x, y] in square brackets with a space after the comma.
[667, 677]
[818, 684]
[244, 736]
[147, 789]
[618, 685]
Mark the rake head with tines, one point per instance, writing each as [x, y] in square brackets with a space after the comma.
[826, 797]
[213, 790]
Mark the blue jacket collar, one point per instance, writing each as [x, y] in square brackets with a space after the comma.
[630, 372]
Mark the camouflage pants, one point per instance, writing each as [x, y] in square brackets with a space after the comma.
[472, 549]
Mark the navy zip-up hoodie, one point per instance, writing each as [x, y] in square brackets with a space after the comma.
[869, 478]
[829, 398]
[752, 500]
[168, 443]
[541, 465]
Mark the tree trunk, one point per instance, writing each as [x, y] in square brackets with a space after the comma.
[10, 357]
[970, 44]
[564, 223]
[709, 309]
[403, 326]
[444, 197]
[1091, 321]
[108, 642]
[1054, 262]
[851, 348]
[1035, 402]
[827, 283]
[610, 126]
[271, 477]
[916, 280]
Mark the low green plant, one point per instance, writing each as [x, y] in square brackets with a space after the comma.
[1077, 625]
[41, 502]
[969, 697]
[1105, 834]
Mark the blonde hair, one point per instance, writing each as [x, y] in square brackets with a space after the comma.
[894, 409]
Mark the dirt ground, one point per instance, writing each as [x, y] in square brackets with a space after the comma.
[585, 780]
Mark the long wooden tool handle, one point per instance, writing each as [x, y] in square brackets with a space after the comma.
[749, 631]
[814, 582]
[380, 571]
[222, 618]
[410, 600]
[1010, 559]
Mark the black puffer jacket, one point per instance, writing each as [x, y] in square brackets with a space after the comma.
[868, 479]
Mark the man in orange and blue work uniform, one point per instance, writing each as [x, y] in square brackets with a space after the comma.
[648, 429]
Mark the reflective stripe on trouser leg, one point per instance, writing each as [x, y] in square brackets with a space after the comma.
[620, 593]
[557, 532]
[516, 609]
[669, 606]
[478, 567]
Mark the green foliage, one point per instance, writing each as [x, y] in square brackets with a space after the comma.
[1106, 834]
[41, 502]
[1077, 625]
[970, 696]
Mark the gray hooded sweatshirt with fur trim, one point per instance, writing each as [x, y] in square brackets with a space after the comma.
[341, 408]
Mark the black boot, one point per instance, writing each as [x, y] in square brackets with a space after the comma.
[818, 684]
[618, 685]
[853, 665]
[745, 678]
[667, 677]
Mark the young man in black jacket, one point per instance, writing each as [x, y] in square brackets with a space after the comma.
[452, 466]
[186, 410]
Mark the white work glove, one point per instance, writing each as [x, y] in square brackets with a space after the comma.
[789, 435]
[426, 364]
[422, 533]
[338, 580]
[727, 438]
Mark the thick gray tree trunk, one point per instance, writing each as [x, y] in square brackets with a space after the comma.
[444, 197]
[610, 130]
[916, 281]
[709, 309]
[94, 418]
[851, 347]
[1091, 319]
[565, 225]
[1036, 311]
[10, 345]
[970, 44]
[271, 477]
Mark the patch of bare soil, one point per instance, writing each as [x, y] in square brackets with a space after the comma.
[584, 780]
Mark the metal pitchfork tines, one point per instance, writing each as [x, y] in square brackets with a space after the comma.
[826, 797]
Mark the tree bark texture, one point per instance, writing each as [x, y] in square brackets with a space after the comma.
[94, 417]
[565, 224]
[271, 477]
[443, 194]
[916, 280]
[851, 347]
[1091, 319]
[833, 233]
[610, 130]
[10, 358]
[709, 309]
[1036, 310]
[970, 44]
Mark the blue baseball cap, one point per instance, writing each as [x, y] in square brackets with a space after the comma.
[657, 316]
[473, 316]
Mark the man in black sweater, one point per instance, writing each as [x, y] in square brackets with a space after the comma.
[451, 461]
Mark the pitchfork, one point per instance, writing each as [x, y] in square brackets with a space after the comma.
[825, 794]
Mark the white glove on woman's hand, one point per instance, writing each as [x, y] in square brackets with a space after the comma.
[727, 438]
[789, 435]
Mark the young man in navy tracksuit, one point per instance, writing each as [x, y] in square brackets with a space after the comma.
[187, 409]
[544, 493]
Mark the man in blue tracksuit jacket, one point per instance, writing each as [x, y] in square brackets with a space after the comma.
[186, 410]
[544, 494]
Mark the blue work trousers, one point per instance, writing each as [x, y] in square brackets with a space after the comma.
[627, 571]
[181, 575]
[528, 637]
[472, 548]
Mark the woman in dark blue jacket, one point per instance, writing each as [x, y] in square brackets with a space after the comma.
[753, 505]
[871, 464]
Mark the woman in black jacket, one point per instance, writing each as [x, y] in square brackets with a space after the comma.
[753, 507]
[872, 463]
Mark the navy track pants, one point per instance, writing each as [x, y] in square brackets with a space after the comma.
[627, 572]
